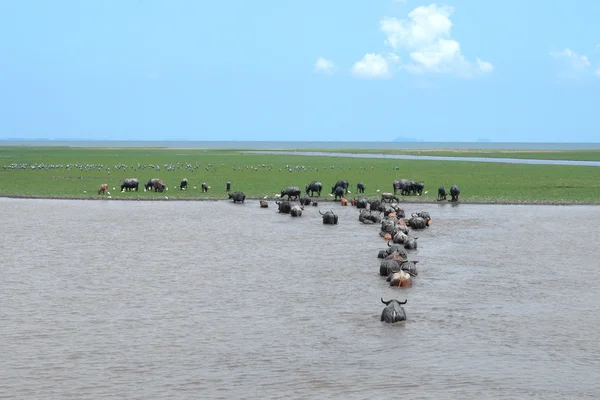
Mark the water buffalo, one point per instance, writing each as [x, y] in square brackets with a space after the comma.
[366, 217]
[204, 187]
[418, 188]
[264, 204]
[313, 187]
[305, 200]
[344, 201]
[228, 186]
[361, 202]
[389, 197]
[150, 184]
[130, 184]
[360, 187]
[159, 186]
[402, 185]
[237, 197]
[315, 203]
[416, 222]
[400, 279]
[441, 193]
[337, 191]
[183, 184]
[387, 267]
[454, 192]
[342, 184]
[291, 191]
[284, 207]
[393, 312]
[103, 188]
[329, 218]
[375, 205]
[296, 210]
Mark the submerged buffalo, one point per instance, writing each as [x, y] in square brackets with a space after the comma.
[375, 205]
[400, 279]
[291, 191]
[361, 202]
[305, 200]
[313, 187]
[360, 187]
[454, 192]
[264, 204]
[441, 193]
[393, 312]
[183, 184]
[329, 218]
[367, 217]
[284, 207]
[130, 184]
[296, 210]
[238, 197]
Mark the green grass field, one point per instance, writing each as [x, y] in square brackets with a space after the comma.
[260, 175]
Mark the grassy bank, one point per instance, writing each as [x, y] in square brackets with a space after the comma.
[78, 172]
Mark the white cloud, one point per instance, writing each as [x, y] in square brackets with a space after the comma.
[371, 66]
[575, 61]
[324, 65]
[425, 36]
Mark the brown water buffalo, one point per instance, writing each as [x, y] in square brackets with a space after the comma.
[103, 188]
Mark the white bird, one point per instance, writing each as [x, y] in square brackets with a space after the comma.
[265, 197]
[426, 191]
[330, 194]
[194, 187]
[85, 191]
[277, 195]
[110, 197]
[144, 189]
[378, 190]
[166, 198]
[114, 189]
[108, 193]
[349, 191]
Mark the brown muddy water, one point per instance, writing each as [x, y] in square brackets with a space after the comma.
[188, 300]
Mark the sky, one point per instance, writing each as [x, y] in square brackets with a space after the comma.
[311, 70]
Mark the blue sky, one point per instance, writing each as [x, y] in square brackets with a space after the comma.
[353, 70]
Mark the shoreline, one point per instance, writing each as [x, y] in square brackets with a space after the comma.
[320, 200]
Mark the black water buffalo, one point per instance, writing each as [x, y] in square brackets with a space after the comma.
[418, 187]
[343, 184]
[313, 187]
[389, 197]
[150, 184]
[264, 204]
[393, 312]
[454, 192]
[361, 202]
[402, 185]
[228, 186]
[329, 218]
[296, 210]
[204, 187]
[183, 184]
[237, 197]
[375, 205]
[159, 186]
[284, 207]
[441, 193]
[360, 187]
[305, 200]
[130, 184]
[291, 191]
[416, 222]
[366, 217]
[337, 191]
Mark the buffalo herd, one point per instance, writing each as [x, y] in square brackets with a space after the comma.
[395, 227]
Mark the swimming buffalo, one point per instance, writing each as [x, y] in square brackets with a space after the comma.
[393, 312]
[264, 204]
[291, 191]
[400, 279]
[204, 187]
[342, 184]
[329, 218]
[366, 217]
[417, 222]
[441, 193]
[305, 200]
[130, 184]
[296, 210]
[183, 184]
[313, 187]
[237, 197]
[360, 187]
[454, 192]
[361, 202]
[284, 207]
[337, 191]
[375, 205]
